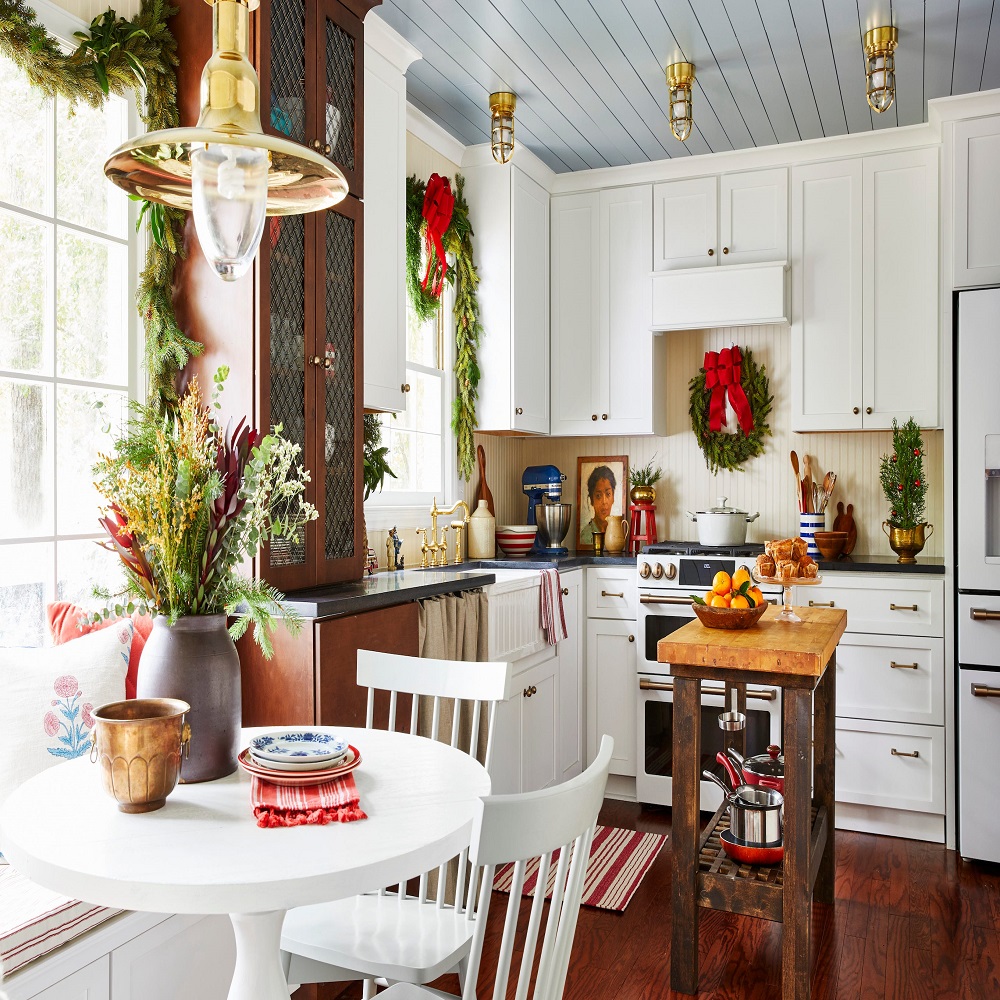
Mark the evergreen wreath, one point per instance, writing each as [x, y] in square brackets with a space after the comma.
[732, 451]
[116, 57]
[457, 241]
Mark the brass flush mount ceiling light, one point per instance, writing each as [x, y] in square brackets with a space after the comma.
[226, 169]
[680, 80]
[880, 44]
[502, 106]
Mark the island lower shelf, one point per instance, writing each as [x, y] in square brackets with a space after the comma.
[752, 890]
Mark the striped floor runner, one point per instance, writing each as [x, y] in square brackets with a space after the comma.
[618, 861]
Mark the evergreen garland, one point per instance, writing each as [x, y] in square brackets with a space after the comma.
[732, 451]
[902, 476]
[115, 57]
[468, 326]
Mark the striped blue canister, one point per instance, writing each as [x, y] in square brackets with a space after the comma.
[809, 524]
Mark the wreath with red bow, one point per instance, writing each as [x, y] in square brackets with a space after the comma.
[730, 375]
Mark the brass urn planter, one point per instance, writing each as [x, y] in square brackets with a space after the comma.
[643, 494]
[907, 542]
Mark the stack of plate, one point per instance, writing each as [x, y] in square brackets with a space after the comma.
[303, 757]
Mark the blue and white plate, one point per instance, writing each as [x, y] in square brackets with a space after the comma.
[302, 746]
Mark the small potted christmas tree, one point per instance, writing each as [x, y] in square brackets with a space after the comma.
[905, 488]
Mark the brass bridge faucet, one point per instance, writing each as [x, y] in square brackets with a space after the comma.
[442, 547]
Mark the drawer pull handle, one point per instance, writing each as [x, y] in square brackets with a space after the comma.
[902, 666]
[605, 593]
[906, 607]
[765, 694]
[984, 615]
[982, 691]
[529, 691]
[900, 753]
[821, 604]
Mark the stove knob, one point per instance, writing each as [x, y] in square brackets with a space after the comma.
[671, 571]
[644, 571]
[657, 572]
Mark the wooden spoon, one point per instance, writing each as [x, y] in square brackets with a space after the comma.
[482, 489]
[798, 479]
[807, 484]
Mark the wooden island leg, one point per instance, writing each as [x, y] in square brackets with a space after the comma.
[824, 736]
[684, 834]
[796, 898]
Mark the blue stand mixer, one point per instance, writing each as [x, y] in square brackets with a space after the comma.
[539, 482]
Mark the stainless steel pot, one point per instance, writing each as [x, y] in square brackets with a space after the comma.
[722, 525]
[756, 815]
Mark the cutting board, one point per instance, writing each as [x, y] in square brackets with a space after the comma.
[844, 521]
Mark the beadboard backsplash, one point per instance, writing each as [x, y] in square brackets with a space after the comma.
[766, 485]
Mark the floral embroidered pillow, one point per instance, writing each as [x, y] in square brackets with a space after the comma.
[47, 699]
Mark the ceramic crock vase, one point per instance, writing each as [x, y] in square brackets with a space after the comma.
[907, 542]
[615, 534]
[196, 661]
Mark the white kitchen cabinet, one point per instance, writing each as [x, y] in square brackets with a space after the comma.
[511, 213]
[612, 686]
[977, 208]
[387, 55]
[608, 369]
[737, 218]
[572, 706]
[90, 983]
[864, 292]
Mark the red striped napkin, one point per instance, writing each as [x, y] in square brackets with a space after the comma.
[334, 801]
[552, 613]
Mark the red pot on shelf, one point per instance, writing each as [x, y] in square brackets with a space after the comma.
[766, 769]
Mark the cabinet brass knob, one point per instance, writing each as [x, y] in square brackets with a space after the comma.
[868, 410]
[327, 149]
[405, 387]
[519, 411]
[631, 638]
[725, 249]
[856, 411]
[593, 416]
[711, 253]
[316, 144]
[604, 416]
[565, 591]
[529, 691]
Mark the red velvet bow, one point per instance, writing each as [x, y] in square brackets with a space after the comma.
[439, 203]
[723, 372]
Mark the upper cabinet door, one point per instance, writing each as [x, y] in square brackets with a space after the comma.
[977, 207]
[529, 268]
[626, 309]
[685, 224]
[753, 216]
[827, 314]
[575, 274]
[338, 129]
[901, 288]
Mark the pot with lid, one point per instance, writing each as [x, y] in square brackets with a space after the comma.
[722, 525]
[765, 769]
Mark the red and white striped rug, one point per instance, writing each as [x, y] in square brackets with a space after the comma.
[618, 861]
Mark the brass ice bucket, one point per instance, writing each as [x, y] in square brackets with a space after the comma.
[907, 542]
[139, 744]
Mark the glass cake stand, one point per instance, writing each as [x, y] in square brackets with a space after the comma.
[787, 612]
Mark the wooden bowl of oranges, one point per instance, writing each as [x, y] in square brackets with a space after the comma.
[733, 602]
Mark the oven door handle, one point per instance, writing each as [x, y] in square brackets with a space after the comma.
[657, 599]
[765, 694]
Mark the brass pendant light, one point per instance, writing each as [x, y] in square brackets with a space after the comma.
[502, 105]
[218, 168]
[880, 67]
[680, 80]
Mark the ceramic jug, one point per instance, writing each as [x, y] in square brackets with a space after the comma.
[482, 533]
[615, 534]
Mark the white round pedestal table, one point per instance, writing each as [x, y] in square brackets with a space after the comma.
[204, 853]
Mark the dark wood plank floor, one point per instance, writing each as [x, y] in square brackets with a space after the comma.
[911, 921]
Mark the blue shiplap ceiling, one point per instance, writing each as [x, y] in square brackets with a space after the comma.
[589, 74]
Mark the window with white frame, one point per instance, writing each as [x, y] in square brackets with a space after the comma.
[419, 439]
[67, 326]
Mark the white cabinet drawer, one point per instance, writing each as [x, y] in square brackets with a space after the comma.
[902, 680]
[899, 607]
[870, 774]
[611, 592]
[978, 629]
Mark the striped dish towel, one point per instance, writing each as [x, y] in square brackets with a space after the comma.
[553, 615]
[334, 801]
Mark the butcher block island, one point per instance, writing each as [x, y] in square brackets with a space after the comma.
[800, 658]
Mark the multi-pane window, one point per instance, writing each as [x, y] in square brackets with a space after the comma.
[65, 317]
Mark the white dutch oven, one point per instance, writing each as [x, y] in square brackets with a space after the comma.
[722, 525]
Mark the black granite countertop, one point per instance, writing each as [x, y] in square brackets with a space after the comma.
[857, 563]
[574, 560]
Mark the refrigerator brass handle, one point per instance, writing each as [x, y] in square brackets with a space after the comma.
[906, 607]
[768, 694]
[982, 691]
[648, 685]
[655, 599]
[893, 665]
[821, 604]
[984, 615]
[606, 593]
[900, 753]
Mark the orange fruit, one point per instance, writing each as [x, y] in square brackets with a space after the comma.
[719, 601]
[722, 583]
[739, 601]
[709, 596]
[741, 576]
[758, 597]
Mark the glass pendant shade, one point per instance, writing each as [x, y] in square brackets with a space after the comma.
[229, 192]
[502, 107]
[880, 45]
[161, 166]
[680, 79]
